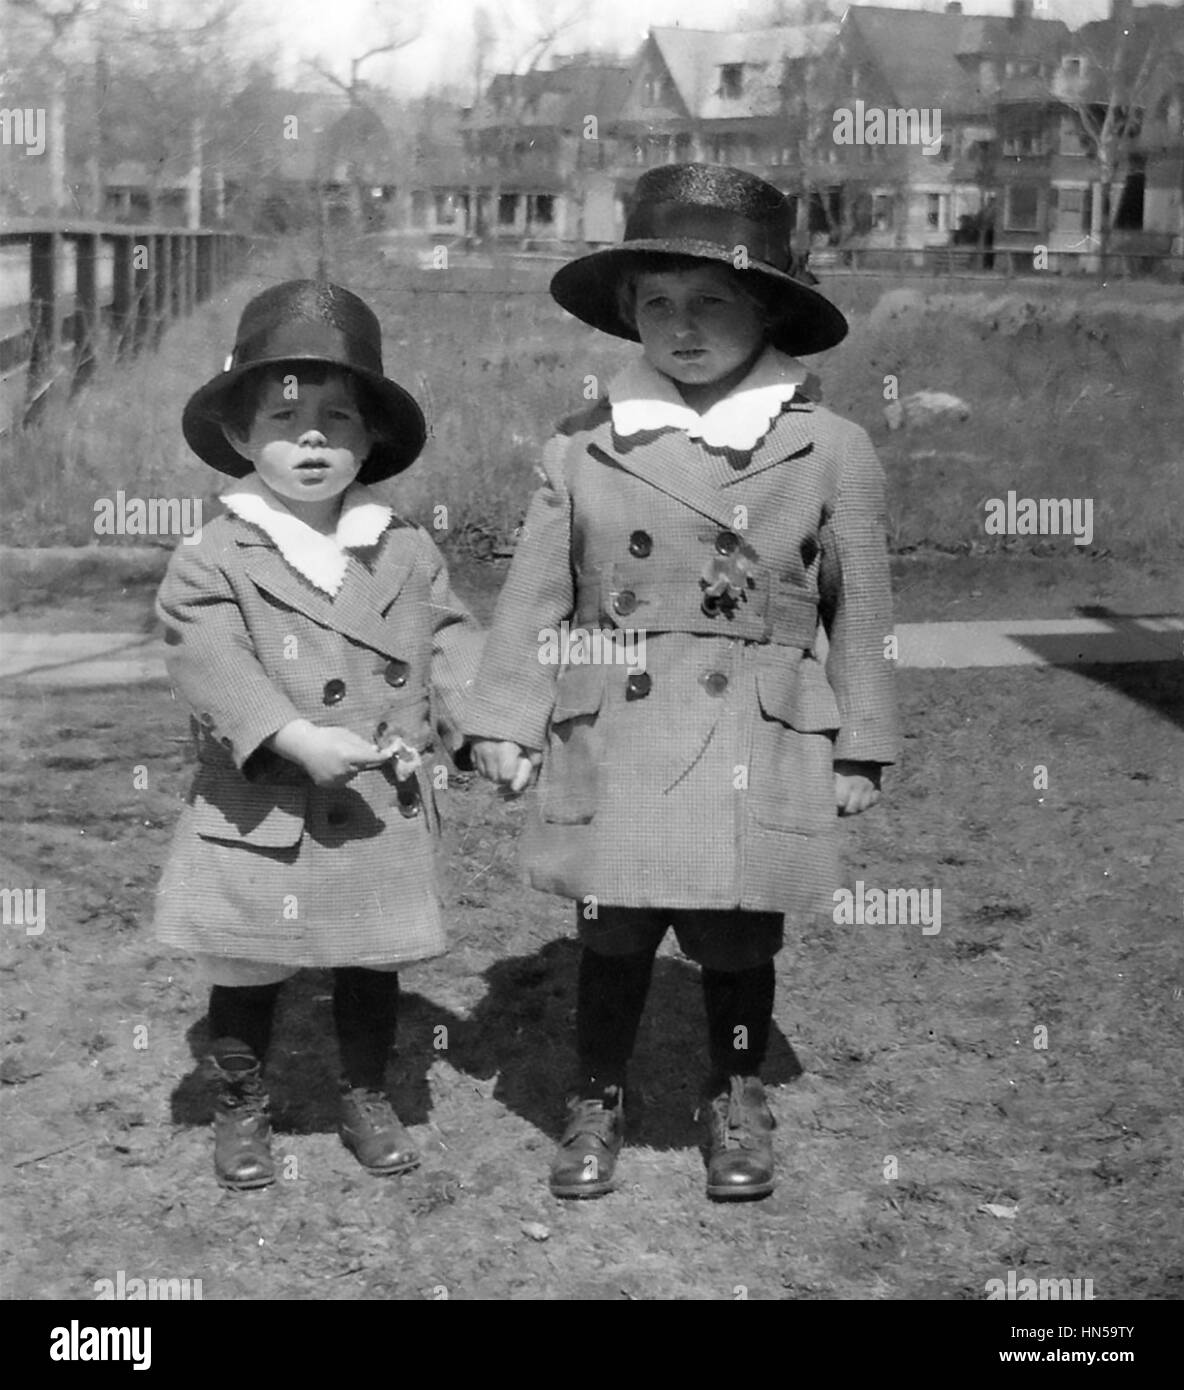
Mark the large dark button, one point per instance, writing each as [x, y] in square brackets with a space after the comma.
[396, 673]
[381, 731]
[625, 602]
[726, 543]
[714, 682]
[337, 815]
[638, 686]
[334, 692]
[640, 544]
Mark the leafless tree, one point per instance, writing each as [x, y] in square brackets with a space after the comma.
[361, 120]
[1123, 57]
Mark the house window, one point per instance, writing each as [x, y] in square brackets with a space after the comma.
[653, 89]
[731, 80]
[544, 208]
[507, 209]
[445, 209]
[1072, 138]
[722, 149]
[1072, 209]
[935, 209]
[1024, 142]
[419, 208]
[882, 212]
[1022, 207]
[682, 148]
[1071, 67]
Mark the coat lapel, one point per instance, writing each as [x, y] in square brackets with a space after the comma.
[357, 610]
[664, 459]
[791, 437]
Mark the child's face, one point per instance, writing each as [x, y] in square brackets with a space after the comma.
[307, 450]
[697, 326]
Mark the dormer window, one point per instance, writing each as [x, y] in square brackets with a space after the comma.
[653, 89]
[731, 80]
[1072, 67]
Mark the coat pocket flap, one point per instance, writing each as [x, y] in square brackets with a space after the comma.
[794, 689]
[270, 817]
[579, 690]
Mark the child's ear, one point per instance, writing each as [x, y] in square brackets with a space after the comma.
[237, 440]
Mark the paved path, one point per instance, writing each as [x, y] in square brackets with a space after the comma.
[127, 658]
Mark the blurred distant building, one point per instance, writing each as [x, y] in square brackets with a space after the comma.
[890, 129]
[539, 152]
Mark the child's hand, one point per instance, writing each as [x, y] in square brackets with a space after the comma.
[331, 757]
[857, 786]
[505, 762]
[528, 765]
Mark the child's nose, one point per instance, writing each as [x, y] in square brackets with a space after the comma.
[312, 435]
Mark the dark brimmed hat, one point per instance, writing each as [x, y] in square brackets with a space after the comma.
[308, 321]
[708, 211]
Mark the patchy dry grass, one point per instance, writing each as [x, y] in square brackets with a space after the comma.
[1074, 392]
[1060, 911]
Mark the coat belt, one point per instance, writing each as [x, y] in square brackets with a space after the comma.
[781, 614]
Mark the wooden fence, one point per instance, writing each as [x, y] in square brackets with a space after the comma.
[1003, 261]
[86, 288]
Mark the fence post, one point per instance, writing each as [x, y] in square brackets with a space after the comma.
[121, 293]
[191, 292]
[161, 275]
[142, 278]
[204, 268]
[86, 313]
[43, 313]
[176, 275]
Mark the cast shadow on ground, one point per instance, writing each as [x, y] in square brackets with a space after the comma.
[521, 1032]
[1098, 656]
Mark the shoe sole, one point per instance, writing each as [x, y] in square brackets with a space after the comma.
[245, 1186]
[741, 1194]
[598, 1189]
[391, 1171]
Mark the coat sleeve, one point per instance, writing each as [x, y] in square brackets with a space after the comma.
[514, 692]
[456, 652]
[212, 661]
[855, 602]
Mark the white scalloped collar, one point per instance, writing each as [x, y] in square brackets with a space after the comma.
[318, 558]
[642, 398]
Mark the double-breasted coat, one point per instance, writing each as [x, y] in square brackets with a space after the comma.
[706, 781]
[265, 865]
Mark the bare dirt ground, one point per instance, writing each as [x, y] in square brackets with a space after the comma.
[928, 1140]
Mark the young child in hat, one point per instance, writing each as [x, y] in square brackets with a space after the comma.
[315, 637]
[709, 507]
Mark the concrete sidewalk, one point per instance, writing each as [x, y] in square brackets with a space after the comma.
[83, 659]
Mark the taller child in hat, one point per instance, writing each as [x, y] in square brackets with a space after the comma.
[710, 506]
[317, 641]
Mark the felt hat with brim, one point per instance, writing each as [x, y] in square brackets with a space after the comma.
[714, 213]
[309, 321]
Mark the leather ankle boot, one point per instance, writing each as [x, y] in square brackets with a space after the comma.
[739, 1139]
[586, 1159]
[373, 1133]
[242, 1125]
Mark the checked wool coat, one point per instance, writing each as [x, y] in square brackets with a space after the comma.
[265, 865]
[707, 782]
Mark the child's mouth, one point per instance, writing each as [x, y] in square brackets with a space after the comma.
[690, 354]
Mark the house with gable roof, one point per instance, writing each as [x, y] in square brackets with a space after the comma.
[945, 71]
[719, 98]
[538, 149]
